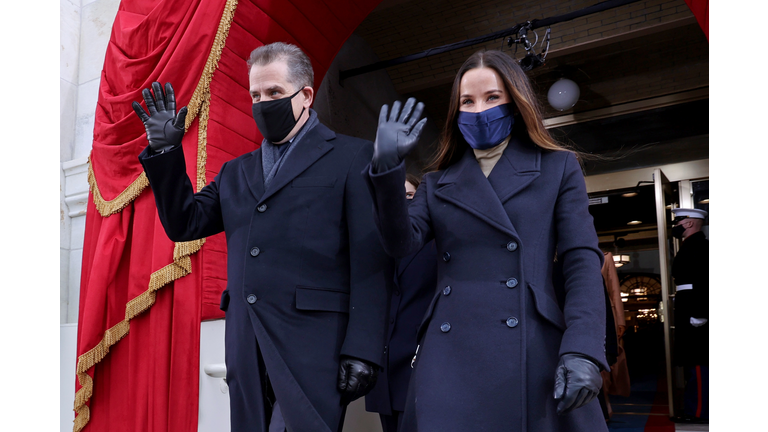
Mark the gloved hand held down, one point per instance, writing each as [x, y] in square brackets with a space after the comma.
[577, 382]
[356, 378]
[164, 127]
[396, 136]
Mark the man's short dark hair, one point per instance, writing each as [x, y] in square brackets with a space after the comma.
[300, 72]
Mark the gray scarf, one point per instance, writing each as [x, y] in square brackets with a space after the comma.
[273, 155]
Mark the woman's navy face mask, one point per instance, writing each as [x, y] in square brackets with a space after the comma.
[486, 129]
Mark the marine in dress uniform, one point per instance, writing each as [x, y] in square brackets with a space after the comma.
[690, 269]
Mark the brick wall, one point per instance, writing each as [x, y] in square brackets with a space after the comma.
[411, 27]
[664, 63]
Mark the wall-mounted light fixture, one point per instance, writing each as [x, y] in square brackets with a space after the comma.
[563, 94]
[620, 260]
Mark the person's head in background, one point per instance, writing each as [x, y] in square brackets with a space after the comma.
[411, 184]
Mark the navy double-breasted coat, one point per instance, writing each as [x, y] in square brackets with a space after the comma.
[308, 278]
[497, 325]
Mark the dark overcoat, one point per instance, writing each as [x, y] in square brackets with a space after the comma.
[497, 326]
[415, 283]
[307, 277]
[691, 266]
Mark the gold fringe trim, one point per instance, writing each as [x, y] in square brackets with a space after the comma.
[182, 264]
[108, 208]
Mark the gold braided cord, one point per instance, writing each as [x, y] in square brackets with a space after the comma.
[108, 208]
[202, 143]
[182, 264]
[203, 91]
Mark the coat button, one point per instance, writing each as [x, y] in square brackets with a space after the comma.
[252, 299]
[512, 246]
[445, 327]
[446, 257]
[511, 322]
[262, 208]
[255, 252]
[511, 283]
[446, 290]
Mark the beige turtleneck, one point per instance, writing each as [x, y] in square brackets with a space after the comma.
[488, 158]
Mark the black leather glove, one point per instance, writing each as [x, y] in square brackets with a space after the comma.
[396, 136]
[577, 381]
[164, 127]
[356, 378]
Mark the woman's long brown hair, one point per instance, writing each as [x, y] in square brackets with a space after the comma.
[452, 145]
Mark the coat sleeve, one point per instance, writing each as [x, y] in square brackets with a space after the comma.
[185, 215]
[371, 270]
[577, 248]
[404, 228]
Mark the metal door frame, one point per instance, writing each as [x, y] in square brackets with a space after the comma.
[660, 182]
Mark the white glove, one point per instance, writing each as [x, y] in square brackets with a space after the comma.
[698, 322]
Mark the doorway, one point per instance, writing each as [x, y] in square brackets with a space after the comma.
[632, 215]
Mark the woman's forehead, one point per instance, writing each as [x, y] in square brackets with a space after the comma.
[480, 80]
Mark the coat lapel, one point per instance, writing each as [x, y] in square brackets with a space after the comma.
[518, 166]
[254, 175]
[308, 150]
[464, 185]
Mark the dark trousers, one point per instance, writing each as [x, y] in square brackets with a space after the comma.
[696, 396]
[391, 423]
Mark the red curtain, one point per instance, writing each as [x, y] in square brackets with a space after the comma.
[700, 9]
[142, 297]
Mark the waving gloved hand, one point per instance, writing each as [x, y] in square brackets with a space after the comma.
[356, 378]
[577, 381]
[396, 136]
[164, 127]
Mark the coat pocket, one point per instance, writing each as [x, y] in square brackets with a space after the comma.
[224, 303]
[322, 299]
[321, 181]
[548, 308]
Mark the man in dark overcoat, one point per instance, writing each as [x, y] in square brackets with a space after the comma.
[308, 279]
[415, 282]
[690, 269]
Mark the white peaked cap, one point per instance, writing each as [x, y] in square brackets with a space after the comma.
[690, 213]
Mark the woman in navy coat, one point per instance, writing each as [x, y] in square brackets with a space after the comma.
[501, 347]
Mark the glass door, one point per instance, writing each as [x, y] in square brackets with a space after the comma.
[663, 192]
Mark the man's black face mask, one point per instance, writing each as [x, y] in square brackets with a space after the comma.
[677, 231]
[275, 118]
